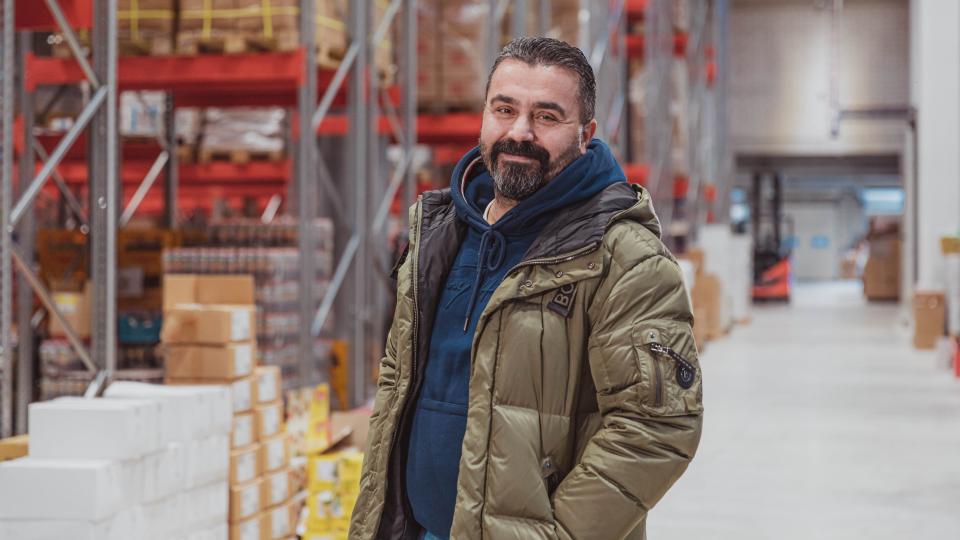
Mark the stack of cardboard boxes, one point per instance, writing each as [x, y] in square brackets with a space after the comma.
[209, 331]
[146, 462]
[450, 70]
[236, 26]
[146, 26]
[881, 274]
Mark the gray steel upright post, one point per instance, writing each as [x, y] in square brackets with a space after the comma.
[6, 192]
[26, 232]
[103, 189]
[724, 156]
[172, 176]
[518, 20]
[358, 141]
[408, 63]
[306, 186]
[658, 138]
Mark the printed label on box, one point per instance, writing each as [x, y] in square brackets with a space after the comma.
[242, 430]
[240, 325]
[246, 467]
[281, 521]
[250, 500]
[243, 360]
[275, 454]
[271, 420]
[250, 530]
[279, 487]
[242, 400]
[267, 386]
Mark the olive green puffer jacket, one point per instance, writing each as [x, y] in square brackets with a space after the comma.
[585, 389]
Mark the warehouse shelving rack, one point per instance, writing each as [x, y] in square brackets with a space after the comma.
[285, 79]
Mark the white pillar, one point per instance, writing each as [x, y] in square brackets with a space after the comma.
[935, 92]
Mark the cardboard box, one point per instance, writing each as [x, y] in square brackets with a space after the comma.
[95, 428]
[122, 526]
[707, 296]
[275, 452]
[252, 528]
[269, 381]
[75, 308]
[216, 363]
[13, 447]
[245, 501]
[930, 318]
[243, 392]
[244, 433]
[207, 289]
[210, 324]
[245, 464]
[881, 274]
[282, 521]
[277, 488]
[268, 420]
[63, 489]
[186, 412]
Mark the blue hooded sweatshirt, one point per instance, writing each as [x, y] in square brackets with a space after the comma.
[486, 255]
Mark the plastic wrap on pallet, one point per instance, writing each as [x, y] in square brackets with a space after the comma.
[141, 114]
[252, 129]
[235, 26]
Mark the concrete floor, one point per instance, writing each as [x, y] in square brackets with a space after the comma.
[821, 423]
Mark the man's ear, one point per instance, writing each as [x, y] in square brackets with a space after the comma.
[586, 135]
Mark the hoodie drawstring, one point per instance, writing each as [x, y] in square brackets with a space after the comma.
[493, 249]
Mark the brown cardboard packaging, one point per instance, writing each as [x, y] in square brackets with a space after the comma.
[269, 381]
[930, 318]
[275, 452]
[222, 363]
[207, 289]
[706, 296]
[14, 447]
[694, 255]
[245, 464]
[244, 433]
[75, 307]
[245, 500]
[268, 420]
[881, 274]
[243, 391]
[253, 528]
[281, 521]
[277, 488]
[210, 324]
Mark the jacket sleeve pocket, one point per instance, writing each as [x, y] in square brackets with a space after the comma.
[667, 360]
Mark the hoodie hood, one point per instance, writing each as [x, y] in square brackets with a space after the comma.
[586, 176]
[472, 189]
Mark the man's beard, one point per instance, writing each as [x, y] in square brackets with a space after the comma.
[517, 181]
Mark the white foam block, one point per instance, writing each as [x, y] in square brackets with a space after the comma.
[194, 412]
[163, 519]
[219, 532]
[207, 461]
[207, 506]
[94, 428]
[164, 472]
[119, 527]
[83, 490]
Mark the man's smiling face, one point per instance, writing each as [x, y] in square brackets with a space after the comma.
[531, 126]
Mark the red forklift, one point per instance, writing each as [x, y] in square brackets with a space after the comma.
[771, 255]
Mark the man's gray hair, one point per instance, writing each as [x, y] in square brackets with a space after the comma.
[544, 51]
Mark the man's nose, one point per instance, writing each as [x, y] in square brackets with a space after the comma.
[521, 129]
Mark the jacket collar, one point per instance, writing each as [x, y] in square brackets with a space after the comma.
[582, 225]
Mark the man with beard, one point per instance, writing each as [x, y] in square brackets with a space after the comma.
[540, 378]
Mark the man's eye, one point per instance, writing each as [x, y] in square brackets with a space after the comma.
[504, 110]
[546, 118]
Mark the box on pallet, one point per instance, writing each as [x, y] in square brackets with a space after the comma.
[275, 452]
[930, 318]
[243, 433]
[75, 308]
[245, 500]
[245, 464]
[146, 26]
[221, 363]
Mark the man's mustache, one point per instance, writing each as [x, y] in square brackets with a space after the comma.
[520, 148]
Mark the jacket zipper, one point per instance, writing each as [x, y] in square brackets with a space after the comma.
[658, 382]
[413, 338]
[685, 370]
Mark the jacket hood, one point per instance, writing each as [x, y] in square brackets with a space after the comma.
[589, 174]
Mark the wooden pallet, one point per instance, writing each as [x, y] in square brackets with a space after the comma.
[238, 43]
[238, 156]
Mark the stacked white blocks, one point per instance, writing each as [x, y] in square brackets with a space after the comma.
[146, 462]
